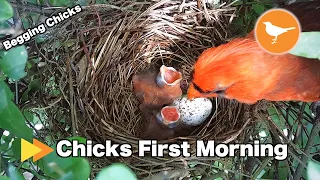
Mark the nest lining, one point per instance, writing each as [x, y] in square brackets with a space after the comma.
[110, 43]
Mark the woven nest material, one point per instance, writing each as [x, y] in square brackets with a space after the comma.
[107, 44]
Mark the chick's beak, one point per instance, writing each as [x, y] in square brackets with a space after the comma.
[169, 76]
[170, 113]
[193, 93]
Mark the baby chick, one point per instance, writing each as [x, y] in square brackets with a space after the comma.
[157, 89]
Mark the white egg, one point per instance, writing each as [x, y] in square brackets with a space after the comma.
[193, 112]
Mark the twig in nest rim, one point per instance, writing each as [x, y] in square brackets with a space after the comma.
[314, 133]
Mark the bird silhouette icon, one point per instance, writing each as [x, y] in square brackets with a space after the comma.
[275, 31]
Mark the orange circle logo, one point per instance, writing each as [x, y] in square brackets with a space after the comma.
[277, 30]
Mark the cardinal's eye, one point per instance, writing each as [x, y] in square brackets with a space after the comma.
[220, 92]
[201, 90]
[198, 88]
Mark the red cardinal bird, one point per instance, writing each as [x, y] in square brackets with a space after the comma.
[243, 71]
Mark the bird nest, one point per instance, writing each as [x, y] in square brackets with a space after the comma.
[105, 45]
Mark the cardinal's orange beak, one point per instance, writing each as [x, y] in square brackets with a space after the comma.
[193, 93]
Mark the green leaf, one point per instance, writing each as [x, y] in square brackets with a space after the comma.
[5, 142]
[25, 23]
[62, 163]
[34, 16]
[6, 95]
[238, 21]
[268, 174]
[308, 45]
[14, 174]
[313, 170]
[41, 38]
[6, 10]
[4, 178]
[63, 3]
[28, 115]
[4, 146]
[16, 148]
[13, 121]
[8, 138]
[217, 164]
[258, 8]
[116, 171]
[13, 62]
[4, 25]
[283, 170]
[33, 86]
[68, 176]
[77, 165]
[80, 169]
[82, 2]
